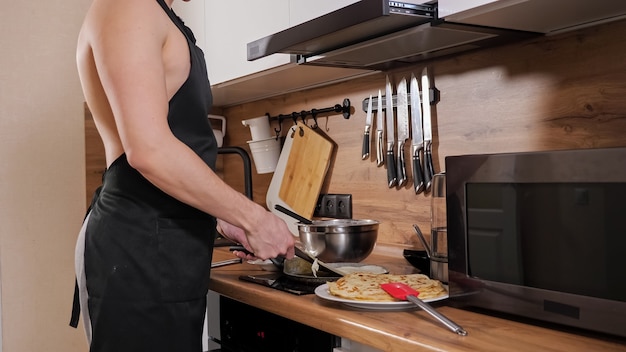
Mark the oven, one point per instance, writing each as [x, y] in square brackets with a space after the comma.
[249, 329]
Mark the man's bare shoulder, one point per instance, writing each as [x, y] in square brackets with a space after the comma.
[120, 19]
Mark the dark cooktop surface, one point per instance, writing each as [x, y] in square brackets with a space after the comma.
[282, 282]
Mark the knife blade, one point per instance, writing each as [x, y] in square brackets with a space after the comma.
[379, 131]
[428, 134]
[391, 167]
[366, 135]
[417, 141]
[403, 129]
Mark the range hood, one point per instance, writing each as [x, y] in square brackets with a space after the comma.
[379, 35]
[382, 34]
[549, 17]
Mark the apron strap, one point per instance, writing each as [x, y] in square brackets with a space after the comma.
[76, 301]
[75, 307]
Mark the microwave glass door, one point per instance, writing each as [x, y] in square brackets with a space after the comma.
[566, 237]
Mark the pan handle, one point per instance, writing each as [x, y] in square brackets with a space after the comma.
[226, 262]
[278, 261]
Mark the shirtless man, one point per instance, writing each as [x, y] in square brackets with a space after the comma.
[145, 84]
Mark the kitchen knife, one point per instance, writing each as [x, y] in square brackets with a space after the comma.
[368, 126]
[379, 131]
[428, 133]
[391, 167]
[403, 129]
[417, 141]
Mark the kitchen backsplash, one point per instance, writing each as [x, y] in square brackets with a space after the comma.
[558, 92]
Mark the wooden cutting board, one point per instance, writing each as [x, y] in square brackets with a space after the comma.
[305, 170]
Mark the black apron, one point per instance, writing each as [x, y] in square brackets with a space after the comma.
[147, 256]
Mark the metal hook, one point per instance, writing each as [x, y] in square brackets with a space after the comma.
[303, 114]
[280, 125]
[343, 109]
[294, 116]
[314, 115]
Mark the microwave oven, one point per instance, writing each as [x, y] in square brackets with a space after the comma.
[540, 235]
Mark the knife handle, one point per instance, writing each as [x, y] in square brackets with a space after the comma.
[401, 165]
[379, 148]
[366, 143]
[428, 167]
[391, 167]
[418, 178]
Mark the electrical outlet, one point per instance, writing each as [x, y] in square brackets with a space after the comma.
[338, 206]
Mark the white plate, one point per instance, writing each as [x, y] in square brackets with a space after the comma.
[354, 267]
[322, 292]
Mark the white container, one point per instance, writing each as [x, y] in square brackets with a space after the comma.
[219, 134]
[259, 127]
[265, 154]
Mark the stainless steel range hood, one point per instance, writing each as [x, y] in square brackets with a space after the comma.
[423, 42]
[378, 35]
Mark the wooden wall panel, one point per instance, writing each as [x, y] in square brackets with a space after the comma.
[559, 92]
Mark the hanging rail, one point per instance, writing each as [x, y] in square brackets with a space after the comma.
[434, 99]
[343, 109]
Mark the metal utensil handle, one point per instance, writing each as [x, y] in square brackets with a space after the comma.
[420, 235]
[435, 314]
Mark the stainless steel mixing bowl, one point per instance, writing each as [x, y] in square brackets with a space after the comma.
[339, 240]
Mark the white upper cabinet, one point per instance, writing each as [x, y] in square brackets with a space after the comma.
[224, 28]
[451, 7]
[303, 10]
[230, 25]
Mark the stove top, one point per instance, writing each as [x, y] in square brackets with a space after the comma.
[282, 282]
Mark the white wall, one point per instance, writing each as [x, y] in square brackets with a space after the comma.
[41, 173]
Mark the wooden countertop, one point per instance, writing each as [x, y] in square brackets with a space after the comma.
[404, 330]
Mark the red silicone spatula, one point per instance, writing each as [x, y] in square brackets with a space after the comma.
[405, 292]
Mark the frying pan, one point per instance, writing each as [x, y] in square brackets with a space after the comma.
[299, 270]
[280, 262]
